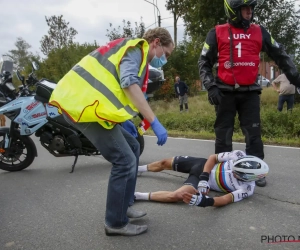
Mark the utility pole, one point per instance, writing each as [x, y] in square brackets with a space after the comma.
[159, 17]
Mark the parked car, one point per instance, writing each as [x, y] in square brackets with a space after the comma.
[264, 82]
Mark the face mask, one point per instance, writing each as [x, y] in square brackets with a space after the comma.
[158, 62]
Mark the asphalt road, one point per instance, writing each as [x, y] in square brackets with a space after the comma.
[46, 207]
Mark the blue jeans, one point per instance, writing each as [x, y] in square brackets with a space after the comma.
[289, 99]
[122, 150]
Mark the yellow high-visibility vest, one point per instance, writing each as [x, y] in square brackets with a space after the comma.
[91, 91]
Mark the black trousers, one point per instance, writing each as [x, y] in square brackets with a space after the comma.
[247, 105]
[191, 165]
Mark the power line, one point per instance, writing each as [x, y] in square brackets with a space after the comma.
[155, 22]
[164, 27]
[173, 26]
[150, 25]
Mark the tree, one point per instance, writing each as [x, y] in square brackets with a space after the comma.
[278, 17]
[282, 21]
[200, 16]
[139, 29]
[59, 34]
[21, 55]
[127, 31]
[61, 60]
[176, 7]
[183, 62]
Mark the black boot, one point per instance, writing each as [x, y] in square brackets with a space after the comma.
[186, 107]
[181, 107]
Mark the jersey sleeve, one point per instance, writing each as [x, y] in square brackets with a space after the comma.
[243, 193]
[208, 58]
[233, 155]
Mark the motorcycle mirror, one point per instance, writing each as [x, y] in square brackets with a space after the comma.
[35, 65]
[20, 77]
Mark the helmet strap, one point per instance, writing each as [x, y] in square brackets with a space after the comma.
[245, 23]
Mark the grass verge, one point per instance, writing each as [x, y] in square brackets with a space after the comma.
[278, 128]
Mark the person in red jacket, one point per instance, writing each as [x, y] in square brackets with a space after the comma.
[235, 47]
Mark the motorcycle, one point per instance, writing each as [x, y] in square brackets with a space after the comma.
[8, 92]
[30, 113]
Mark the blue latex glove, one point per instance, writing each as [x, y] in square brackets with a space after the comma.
[130, 128]
[159, 131]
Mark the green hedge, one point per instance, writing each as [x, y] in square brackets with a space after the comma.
[277, 127]
[273, 123]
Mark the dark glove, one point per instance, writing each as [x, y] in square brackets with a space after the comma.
[214, 95]
[201, 201]
[159, 131]
[130, 128]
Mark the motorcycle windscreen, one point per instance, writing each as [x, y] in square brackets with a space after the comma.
[6, 65]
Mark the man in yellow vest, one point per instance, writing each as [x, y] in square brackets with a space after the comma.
[105, 89]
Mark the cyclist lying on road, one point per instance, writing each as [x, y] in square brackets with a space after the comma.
[233, 173]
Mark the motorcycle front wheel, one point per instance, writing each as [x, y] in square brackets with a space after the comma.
[19, 155]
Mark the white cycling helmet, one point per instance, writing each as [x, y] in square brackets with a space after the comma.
[250, 168]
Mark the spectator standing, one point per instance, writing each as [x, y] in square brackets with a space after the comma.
[286, 92]
[181, 90]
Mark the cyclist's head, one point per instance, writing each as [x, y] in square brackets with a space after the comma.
[250, 168]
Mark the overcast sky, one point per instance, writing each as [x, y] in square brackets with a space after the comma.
[91, 18]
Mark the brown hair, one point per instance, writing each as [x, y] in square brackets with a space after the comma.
[161, 33]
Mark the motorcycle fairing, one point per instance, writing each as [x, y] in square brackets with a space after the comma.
[32, 115]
